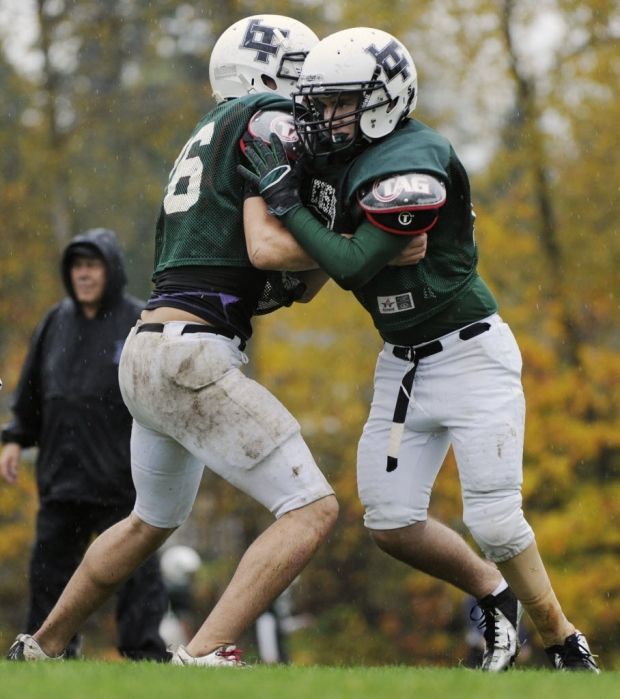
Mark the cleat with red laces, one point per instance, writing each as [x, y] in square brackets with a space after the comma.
[224, 656]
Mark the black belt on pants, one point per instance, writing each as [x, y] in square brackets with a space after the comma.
[191, 328]
[414, 354]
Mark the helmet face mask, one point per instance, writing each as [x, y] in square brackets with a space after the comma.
[368, 63]
[290, 66]
[324, 114]
[261, 53]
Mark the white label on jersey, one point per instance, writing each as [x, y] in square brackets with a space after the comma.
[395, 304]
[323, 201]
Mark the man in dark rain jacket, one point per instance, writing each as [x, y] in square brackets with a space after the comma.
[69, 405]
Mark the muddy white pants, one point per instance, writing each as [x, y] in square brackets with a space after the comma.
[192, 406]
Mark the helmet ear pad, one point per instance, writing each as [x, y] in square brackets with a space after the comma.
[374, 125]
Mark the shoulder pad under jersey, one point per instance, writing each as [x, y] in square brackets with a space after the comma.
[265, 122]
[407, 204]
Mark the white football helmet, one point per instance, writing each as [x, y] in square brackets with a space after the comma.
[368, 62]
[262, 53]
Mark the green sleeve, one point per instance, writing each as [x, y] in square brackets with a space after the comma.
[351, 262]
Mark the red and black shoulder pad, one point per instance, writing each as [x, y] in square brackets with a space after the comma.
[405, 204]
[264, 123]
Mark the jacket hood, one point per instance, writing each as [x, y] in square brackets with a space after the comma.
[106, 245]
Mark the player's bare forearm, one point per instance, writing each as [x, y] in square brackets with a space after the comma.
[270, 246]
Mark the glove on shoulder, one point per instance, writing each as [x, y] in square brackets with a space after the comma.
[276, 179]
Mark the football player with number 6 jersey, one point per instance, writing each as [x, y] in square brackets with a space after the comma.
[180, 371]
[450, 369]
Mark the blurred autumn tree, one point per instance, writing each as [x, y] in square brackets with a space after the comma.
[526, 91]
[549, 191]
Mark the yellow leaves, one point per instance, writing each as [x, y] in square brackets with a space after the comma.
[589, 525]
[573, 426]
[17, 504]
[580, 543]
[318, 359]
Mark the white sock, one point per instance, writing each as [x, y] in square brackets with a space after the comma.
[500, 588]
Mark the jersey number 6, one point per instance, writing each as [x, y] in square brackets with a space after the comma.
[183, 187]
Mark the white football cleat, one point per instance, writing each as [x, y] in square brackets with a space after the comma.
[26, 648]
[224, 656]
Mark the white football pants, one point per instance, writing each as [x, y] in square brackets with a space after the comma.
[192, 407]
[468, 395]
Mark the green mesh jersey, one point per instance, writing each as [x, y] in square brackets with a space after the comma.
[419, 302]
[201, 217]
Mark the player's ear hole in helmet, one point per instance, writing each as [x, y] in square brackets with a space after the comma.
[268, 82]
[369, 71]
[261, 53]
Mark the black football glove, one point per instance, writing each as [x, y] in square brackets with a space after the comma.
[276, 179]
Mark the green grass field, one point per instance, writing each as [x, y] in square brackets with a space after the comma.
[112, 680]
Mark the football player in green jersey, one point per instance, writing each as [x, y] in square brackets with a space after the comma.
[450, 369]
[180, 369]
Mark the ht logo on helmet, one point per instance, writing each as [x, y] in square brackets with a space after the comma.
[391, 60]
[260, 38]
